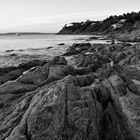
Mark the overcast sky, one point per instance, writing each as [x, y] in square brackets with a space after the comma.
[51, 15]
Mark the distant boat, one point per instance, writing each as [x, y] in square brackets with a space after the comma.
[17, 34]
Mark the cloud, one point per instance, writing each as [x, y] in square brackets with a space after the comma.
[57, 21]
[98, 15]
[60, 18]
[68, 17]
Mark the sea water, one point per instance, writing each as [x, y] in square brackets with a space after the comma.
[18, 49]
[12, 42]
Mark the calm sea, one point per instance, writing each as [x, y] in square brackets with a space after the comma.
[18, 49]
[11, 42]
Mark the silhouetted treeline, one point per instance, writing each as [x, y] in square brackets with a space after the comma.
[125, 22]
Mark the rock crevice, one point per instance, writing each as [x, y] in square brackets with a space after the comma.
[93, 100]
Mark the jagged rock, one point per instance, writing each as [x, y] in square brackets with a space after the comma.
[32, 63]
[58, 60]
[119, 85]
[100, 47]
[63, 110]
[105, 71]
[12, 75]
[131, 75]
[46, 74]
[15, 88]
[77, 48]
[84, 60]
[36, 77]
[55, 101]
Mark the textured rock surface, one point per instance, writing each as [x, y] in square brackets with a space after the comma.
[12, 73]
[77, 48]
[56, 101]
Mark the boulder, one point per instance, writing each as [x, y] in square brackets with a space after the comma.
[36, 77]
[58, 60]
[77, 48]
[12, 73]
[55, 69]
[94, 100]
[63, 110]
[84, 60]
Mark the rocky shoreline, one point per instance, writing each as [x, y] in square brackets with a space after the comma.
[90, 92]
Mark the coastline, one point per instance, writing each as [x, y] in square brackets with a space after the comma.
[20, 54]
[69, 70]
[83, 85]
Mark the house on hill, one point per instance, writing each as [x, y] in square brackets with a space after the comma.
[122, 21]
[117, 25]
[68, 25]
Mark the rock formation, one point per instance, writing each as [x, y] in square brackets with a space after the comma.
[56, 101]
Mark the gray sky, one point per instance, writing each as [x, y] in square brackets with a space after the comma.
[51, 15]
